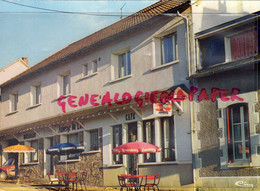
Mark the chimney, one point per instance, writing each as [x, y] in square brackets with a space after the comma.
[25, 59]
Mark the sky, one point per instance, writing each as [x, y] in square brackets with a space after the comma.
[38, 29]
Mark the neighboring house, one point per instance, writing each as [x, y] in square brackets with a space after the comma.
[13, 69]
[10, 71]
[225, 106]
[96, 77]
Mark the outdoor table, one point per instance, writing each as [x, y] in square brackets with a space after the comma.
[135, 180]
[67, 177]
[146, 181]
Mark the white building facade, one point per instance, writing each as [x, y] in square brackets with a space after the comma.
[101, 92]
[225, 105]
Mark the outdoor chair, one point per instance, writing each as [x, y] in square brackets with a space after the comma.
[129, 185]
[72, 178]
[82, 179]
[53, 180]
[151, 181]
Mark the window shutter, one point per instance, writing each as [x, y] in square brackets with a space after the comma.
[243, 44]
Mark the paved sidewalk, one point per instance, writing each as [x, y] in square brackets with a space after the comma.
[4, 186]
[14, 186]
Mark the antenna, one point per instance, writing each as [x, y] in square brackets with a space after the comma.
[121, 11]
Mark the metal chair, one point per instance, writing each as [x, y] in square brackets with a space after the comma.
[53, 180]
[129, 185]
[72, 178]
[151, 181]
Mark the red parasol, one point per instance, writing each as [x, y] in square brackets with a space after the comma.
[136, 148]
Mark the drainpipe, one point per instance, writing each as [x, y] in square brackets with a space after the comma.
[187, 39]
[193, 128]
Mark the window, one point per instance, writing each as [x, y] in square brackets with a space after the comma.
[13, 101]
[241, 45]
[149, 137]
[212, 50]
[121, 63]
[168, 49]
[167, 133]
[64, 84]
[34, 155]
[117, 140]
[90, 68]
[85, 70]
[238, 133]
[35, 94]
[228, 45]
[94, 145]
[124, 64]
[73, 138]
[94, 66]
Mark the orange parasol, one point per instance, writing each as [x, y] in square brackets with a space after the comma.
[18, 149]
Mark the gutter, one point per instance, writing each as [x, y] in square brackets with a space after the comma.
[187, 38]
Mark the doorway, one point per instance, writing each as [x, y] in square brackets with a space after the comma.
[49, 158]
[132, 159]
[13, 155]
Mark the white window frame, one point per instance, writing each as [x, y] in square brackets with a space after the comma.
[72, 156]
[88, 140]
[174, 47]
[85, 70]
[117, 70]
[158, 50]
[36, 94]
[90, 68]
[28, 156]
[243, 141]
[116, 142]
[61, 89]
[14, 97]
[168, 140]
[251, 99]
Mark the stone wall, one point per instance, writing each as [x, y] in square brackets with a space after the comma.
[33, 171]
[90, 163]
[210, 133]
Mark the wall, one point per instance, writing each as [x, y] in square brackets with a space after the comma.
[207, 13]
[209, 132]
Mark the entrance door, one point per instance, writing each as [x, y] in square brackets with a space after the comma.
[132, 159]
[49, 158]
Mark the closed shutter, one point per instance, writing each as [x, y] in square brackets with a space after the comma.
[243, 44]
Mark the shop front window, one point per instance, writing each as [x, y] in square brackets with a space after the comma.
[73, 138]
[149, 137]
[117, 140]
[167, 140]
[34, 155]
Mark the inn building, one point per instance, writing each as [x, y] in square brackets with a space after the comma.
[144, 52]
[226, 133]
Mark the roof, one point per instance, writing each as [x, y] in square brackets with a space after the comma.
[15, 68]
[163, 6]
[19, 60]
